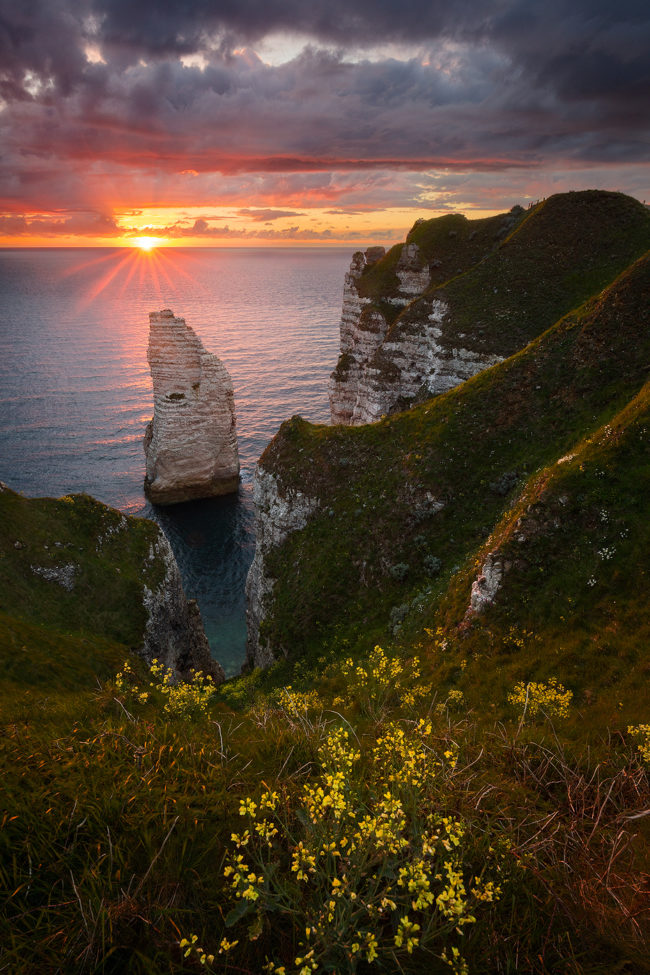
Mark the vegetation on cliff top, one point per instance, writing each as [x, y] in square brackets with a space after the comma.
[508, 278]
[427, 490]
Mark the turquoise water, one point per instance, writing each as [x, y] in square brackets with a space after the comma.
[75, 390]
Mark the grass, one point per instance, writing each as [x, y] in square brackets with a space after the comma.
[377, 484]
[506, 279]
[118, 827]
[109, 556]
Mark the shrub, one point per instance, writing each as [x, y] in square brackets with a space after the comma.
[183, 699]
[551, 700]
[642, 731]
[360, 859]
[399, 571]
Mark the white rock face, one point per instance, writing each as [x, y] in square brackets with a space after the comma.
[191, 443]
[276, 516]
[63, 575]
[383, 370]
[487, 585]
[361, 336]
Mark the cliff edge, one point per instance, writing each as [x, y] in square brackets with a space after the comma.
[82, 582]
[459, 295]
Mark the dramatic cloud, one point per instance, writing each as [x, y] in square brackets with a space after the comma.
[265, 216]
[277, 106]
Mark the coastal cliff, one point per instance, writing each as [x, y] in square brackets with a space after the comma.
[405, 515]
[461, 295]
[75, 573]
[174, 632]
[191, 442]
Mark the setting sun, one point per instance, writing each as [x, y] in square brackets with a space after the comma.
[146, 243]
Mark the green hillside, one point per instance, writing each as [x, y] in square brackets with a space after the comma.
[413, 498]
[448, 767]
[508, 278]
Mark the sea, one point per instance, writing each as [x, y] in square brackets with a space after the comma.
[76, 393]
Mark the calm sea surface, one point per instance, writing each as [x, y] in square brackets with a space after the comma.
[75, 389]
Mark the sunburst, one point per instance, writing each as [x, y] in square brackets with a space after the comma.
[146, 243]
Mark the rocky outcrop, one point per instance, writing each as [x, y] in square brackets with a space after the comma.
[174, 632]
[62, 575]
[486, 586]
[191, 443]
[462, 295]
[384, 368]
[277, 514]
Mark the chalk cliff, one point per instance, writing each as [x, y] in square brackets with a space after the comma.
[461, 295]
[385, 368]
[399, 340]
[278, 512]
[191, 442]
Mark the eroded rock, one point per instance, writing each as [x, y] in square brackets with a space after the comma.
[384, 369]
[191, 442]
[174, 632]
[487, 585]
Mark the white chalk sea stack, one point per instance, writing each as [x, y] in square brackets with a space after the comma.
[191, 443]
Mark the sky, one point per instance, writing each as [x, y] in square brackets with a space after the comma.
[309, 122]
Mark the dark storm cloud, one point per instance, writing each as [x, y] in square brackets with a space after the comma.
[95, 88]
[180, 26]
[578, 47]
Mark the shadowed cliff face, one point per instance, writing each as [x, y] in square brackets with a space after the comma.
[191, 443]
[462, 295]
[278, 516]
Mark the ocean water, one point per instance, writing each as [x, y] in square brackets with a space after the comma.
[75, 389]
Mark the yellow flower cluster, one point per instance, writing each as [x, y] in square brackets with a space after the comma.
[182, 699]
[303, 862]
[380, 680]
[333, 796]
[642, 731]
[298, 703]
[191, 947]
[358, 859]
[407, 934]
[245, 882]
[552, 699]
[403, 758]
[455, 961]
[125, 684]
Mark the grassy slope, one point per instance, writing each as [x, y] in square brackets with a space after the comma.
[375, 482]
[114, 827]
[450, 245]
[507, 279]
[566, 249]
[105, 607]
